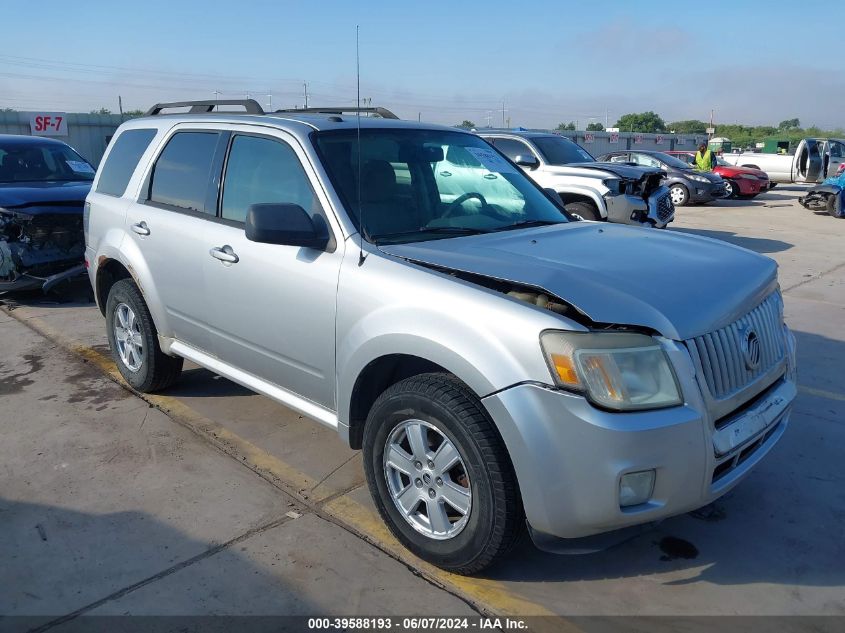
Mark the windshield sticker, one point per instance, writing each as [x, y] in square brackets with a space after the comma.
[79, 167]
[491, 161]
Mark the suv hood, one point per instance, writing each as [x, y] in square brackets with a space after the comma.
[622, 170]
[22, 195]
[677, 284]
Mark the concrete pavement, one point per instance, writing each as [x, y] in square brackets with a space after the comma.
[773, 546]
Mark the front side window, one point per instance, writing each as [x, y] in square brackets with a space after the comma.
[416, 185]
[122, 160]
[180, 177]
[42, 162]
[261, 170]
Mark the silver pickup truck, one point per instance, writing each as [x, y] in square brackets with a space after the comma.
[814, 160]
[500, 363]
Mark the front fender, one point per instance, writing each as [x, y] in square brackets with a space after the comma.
[587, 192]
[389, 306]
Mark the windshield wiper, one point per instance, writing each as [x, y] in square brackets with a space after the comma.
[525, 224]
[451, 230]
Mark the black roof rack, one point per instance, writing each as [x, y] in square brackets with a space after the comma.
[384, 113]
[251, 106]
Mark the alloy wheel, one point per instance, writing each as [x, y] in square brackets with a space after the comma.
[128, 337]
[427, 479]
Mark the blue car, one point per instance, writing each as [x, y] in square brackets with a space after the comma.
[43, 184]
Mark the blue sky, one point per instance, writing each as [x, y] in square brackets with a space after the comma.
[751, 61]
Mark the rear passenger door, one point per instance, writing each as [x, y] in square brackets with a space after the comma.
[272, 309]
[168, 226]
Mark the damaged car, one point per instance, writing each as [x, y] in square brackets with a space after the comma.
[500, 363]
[594, 190]
[43, 184]
[828, 196]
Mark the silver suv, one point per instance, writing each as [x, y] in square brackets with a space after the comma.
[497, 361]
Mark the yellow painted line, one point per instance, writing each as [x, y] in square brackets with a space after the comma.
[268, 466]
[489, 596]
[821, 393]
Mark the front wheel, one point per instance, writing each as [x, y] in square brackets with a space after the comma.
[440, 475]
[732, 189]
[134, 341]
[586, 210]
[679, 195]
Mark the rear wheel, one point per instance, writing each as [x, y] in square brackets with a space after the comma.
[440, 475]
[586, 210]
[134, 341]
[679, 195]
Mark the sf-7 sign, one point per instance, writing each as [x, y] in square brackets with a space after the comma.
[48, 124]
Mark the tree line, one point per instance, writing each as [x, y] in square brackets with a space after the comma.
[741, 135]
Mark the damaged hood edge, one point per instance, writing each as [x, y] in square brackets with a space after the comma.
[680, 286]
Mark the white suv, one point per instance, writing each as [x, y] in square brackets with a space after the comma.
[627, 194]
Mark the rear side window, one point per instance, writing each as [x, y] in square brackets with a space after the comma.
[511, 148]
[180, 177]
[261, 170]
[122, 160]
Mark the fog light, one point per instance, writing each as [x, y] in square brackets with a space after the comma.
[636, 488]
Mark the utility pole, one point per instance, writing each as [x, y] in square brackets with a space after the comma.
[216, 95]
[270, 100]
[503, 113]
[419, 117]
[606, 122]
[710, 134]
[120, 104]
[305, 83]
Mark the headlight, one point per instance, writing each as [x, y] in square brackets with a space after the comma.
[615, 185]
[615, 370]
[698, 178]
[747, 176]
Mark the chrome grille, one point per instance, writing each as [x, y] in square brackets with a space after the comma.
[723, 357]
[665, 208]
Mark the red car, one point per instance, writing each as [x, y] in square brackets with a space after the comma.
[741, 182]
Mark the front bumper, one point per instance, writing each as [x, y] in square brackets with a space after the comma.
[706, 191]
[748, 187]
[657, 210]
[569, 456]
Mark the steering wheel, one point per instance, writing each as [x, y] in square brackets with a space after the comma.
[457, 202]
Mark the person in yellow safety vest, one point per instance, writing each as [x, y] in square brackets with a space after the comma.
[705, 160]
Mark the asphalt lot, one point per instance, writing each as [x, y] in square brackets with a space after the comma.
[209, 499]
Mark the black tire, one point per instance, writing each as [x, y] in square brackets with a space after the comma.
[157, 370]
[586, 210]
[495, 518]
[772, 185]
[683, 194]
[732, 188]
[831, 206]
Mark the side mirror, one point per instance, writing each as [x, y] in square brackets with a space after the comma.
[555, 196]
[285, 224]
[527, 160]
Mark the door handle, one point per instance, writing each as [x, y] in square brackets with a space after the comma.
[141, 228]
[224, 254]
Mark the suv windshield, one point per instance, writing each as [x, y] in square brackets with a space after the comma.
[42, 162]
[419, 185]
[561, 151]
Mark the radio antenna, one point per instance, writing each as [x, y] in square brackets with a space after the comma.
[363, 231]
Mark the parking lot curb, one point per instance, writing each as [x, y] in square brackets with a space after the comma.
[485, 595]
